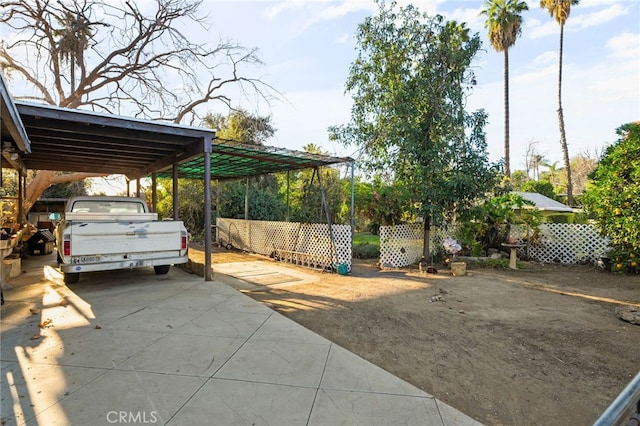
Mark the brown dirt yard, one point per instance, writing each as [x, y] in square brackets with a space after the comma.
[536, 346]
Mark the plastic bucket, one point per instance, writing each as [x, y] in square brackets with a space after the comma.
[342, 268]
[458, 269]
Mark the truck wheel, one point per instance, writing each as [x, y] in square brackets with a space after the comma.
[71, 277]
[162, 269]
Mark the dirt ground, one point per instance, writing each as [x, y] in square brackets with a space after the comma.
[537, 346]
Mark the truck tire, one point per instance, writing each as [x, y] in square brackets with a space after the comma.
[161, 269]
[71, 277]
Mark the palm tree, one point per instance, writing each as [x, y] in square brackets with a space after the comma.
[559, 10]
[553, 172]
[73, 40]
[504, 22]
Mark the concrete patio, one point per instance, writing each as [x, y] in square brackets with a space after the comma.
[131, 347]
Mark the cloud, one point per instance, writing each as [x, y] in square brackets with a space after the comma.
[344, 39]
[346, 7]
[546, 58]
[577, 21]
[600, 17]
[324, 9]
[624, 46]
[279, 7]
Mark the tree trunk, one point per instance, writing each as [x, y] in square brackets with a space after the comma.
[46, 178]
[426, 256]
[507, 163]
[563, 136]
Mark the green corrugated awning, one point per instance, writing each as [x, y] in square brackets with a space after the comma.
[232, 160]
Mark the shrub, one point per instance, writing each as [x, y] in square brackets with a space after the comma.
[612, 197]
[366, 251]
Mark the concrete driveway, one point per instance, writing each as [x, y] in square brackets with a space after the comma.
[132, 347]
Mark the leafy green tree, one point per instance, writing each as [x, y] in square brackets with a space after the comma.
[518, 178]
[241, 126]
[612, 196]
[190, 209]
[408, 86]
[560, 10]
[543, 187]
[504, 22]
[487, 224]
[305, 197]
[266, 202]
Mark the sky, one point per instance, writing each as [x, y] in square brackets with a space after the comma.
[308, 46]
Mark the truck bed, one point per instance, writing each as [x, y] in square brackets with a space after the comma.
[110, 217]
[104, 238]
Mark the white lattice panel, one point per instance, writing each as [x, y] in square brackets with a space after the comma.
[268, 238]
[564, 243]
[401, 245]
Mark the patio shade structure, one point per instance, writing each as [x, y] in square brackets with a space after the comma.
[45, 137]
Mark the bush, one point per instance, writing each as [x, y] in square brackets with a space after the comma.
[366, 251]
[612, 197]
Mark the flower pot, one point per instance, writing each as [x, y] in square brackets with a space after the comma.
[458, 269]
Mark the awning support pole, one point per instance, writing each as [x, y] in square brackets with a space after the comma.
[325, 206]
[208, 273]
[176, 216]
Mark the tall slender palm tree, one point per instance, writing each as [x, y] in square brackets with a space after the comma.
[73, 41]
[560, 10]
[504, 22]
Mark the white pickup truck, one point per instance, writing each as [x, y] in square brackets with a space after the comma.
[101, 233]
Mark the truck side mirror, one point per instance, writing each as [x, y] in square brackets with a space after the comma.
[55, 216]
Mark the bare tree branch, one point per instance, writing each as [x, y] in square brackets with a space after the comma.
[115, 58]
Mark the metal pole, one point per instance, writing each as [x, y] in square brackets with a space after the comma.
[154, 192]
[326, 211]
[353, 197]
[175, 191]
[288, 182]
[246, 201]
[625, 407]
[21, 191]
[208, 273]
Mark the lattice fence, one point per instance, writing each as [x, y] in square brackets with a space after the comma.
[401, 245]
[563, 243]
[304, 244]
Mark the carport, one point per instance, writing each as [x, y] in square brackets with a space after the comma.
[44, 137]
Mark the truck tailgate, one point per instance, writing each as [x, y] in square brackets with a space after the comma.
[104, 238]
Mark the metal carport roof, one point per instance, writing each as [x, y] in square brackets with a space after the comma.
[83, 141]
[45, 137]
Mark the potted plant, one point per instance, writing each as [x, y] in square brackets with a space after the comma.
[453, 248]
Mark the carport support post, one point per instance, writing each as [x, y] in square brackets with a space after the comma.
[353, 196]
[154, 192]
[287, 217]
[175, 191]
[22, 184]
[208, 273]
[246, 201]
